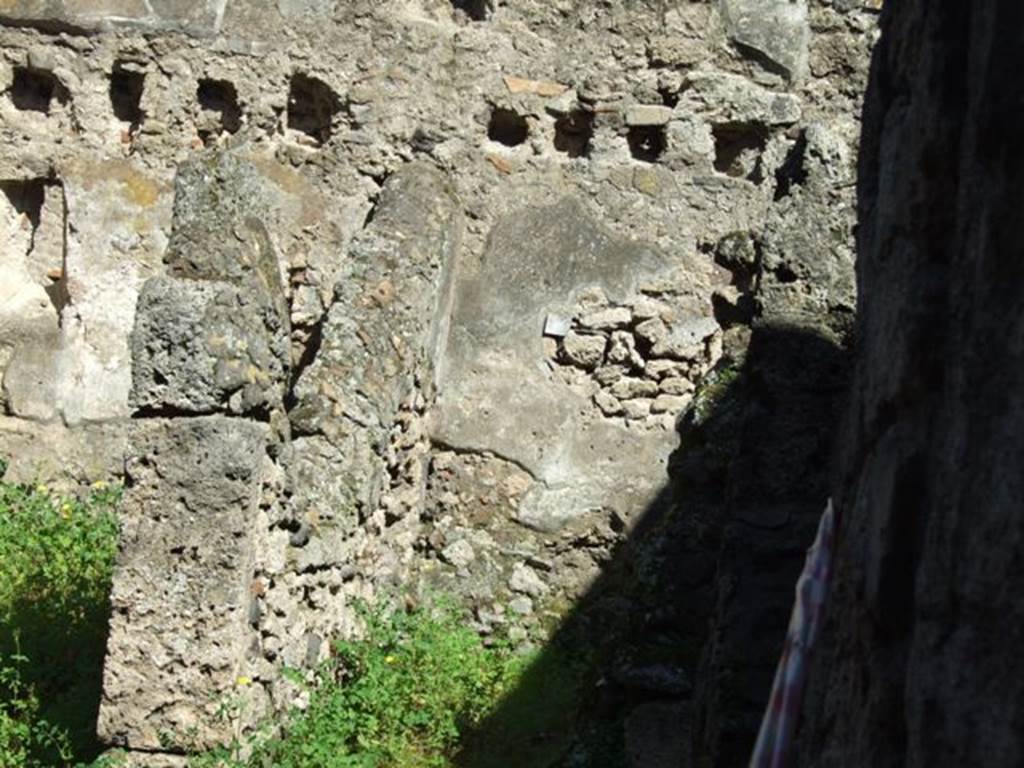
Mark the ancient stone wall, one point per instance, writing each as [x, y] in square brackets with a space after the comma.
[418, 295]
[920, 663]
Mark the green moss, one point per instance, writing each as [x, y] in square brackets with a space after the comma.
[715, 388]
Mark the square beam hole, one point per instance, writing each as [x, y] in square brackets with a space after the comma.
[26, 196]
[126, 87]
[220, 99]
[34, 90]
[34, 200]
[738, 150]
[312, 106]
[507, 127]
[573, 133]
[477, 10]
[647, 142]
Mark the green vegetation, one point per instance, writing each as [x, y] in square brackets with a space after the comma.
[56, 559]
[412, 694]
[536, 718]
[716, 386]
[24, 734]
[421, 690]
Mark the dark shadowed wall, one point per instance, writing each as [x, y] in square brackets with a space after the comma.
[921, 663]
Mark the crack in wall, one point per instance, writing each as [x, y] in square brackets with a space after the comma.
[485, 453]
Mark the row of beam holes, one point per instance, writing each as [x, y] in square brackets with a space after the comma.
[573, 133]
[737, 147]
[312, 104]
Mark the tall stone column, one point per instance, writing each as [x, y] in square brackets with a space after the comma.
[210, 362]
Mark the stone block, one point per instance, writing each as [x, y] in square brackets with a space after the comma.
[775, 31]
[684, 339]
[608, 403]
[806, 239]
[622, 350]
[30, 382]
[459, 554]
[726, 99]
[584, 350]
[117, 216]
[629, 387]
[670, 403]
[607, 319]
[223, 203]
[676, 385]
[329, 482]
[676, 51]
[648, 114]
[181, 594]
[525, 580]
[205, 347]
[200, 18]
[292, 8]
[386, 326]
[636, 409]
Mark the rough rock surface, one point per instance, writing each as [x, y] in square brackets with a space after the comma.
[776, 31]
[199, 346]
[74, 15]
[73, 458]
[920, 664]
[500, 393]
[183, 592]
[458, 276]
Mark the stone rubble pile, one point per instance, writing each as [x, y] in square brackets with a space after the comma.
[638, 361]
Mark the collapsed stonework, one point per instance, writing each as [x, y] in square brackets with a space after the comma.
[418, 295]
